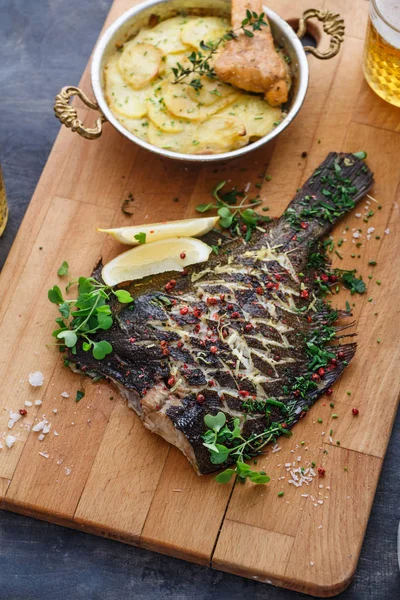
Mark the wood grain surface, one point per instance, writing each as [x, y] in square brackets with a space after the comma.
[104, 472]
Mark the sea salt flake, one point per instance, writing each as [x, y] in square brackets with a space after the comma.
[65, 395]
[387, 231]
[55, 411]
[356, 234]
[44, 454]
[311, 563]
[38, 402]
[41, 437]
[10, 441]
[370, 229]
[39, 426]
[36, 379]
[14, 417]
[67, 470]
[28, 403]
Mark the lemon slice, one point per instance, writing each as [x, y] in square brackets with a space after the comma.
[172, 254]
[161, 231]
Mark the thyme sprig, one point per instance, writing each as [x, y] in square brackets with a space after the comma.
[200, 63]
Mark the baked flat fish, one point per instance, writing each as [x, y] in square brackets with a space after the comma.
[246, 334]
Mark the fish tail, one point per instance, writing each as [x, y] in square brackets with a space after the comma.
[333, 190]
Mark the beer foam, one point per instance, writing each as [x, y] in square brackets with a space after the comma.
[390, 10]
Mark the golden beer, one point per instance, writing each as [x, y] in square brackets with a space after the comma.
[3, 205]
[381, 63]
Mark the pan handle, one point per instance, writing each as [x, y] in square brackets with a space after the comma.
[333, 25]
[68, 116]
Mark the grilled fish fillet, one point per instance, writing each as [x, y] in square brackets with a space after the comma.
[253, 63]
[238, 331]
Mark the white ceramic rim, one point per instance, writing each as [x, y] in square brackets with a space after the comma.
[98, 92]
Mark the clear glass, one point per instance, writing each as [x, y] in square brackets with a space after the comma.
[381, 64]
[3, 205]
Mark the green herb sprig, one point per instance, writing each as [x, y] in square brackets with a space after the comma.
[86, 315]
[225, 442]
[232, 215]
[200, 63]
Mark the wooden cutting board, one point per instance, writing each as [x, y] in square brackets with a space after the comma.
[104, 473]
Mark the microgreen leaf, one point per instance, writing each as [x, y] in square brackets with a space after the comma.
[219, 457]
[70, 338]
[64, 310]
[86, 346]
[105, 321]
[101, 349]
[225, 476]
[55, 296]
[215, 422]
[123, 296]
[63, 269]
[140, 237]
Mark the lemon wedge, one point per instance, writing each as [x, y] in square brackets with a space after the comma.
[160, 231]
[172, 254]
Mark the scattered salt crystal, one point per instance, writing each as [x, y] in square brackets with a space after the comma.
[356, 234]
[60, 461]
[47, 428]
[39, 426]
[288, 464]
[320, 527]
[44, 454]
[247, 186]
[55, 411]
[320, 501]
[311, 563]
[304, 495]
[67, 470]
[330, 439]
[41, 437]
[387, 231]
[38, 402]
[320, 486]
[28, 403]
[370, 229]
[298, 458]
[10, 441]
[65, 395]
[358, 215]
[36, 379]
[14, 417]
[56, 432]
[1, 446]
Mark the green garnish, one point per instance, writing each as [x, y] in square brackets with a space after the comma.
[63, 269]
[79, 395]
[225, 442]
[89, 313]
[140, 237]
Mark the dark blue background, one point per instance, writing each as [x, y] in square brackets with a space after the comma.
[44, 45]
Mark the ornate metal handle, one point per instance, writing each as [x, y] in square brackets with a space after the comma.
[333, 25]
[69, 117]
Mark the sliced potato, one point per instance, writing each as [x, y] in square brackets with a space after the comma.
[166, 36]
[162, 118]
[139, 63]
[220, 133]
[206, 29]
[257, 115]
[181, 141]
[120, 96]
[178, 100]
[136, 126]
[211, 92]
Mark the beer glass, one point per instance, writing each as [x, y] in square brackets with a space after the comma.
[381, 64]
[3, 205]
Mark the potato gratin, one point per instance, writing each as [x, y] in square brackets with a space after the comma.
[140, 91]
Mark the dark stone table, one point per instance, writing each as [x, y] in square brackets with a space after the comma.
[45, 44]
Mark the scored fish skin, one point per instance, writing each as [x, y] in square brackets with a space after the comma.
[242, 337]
